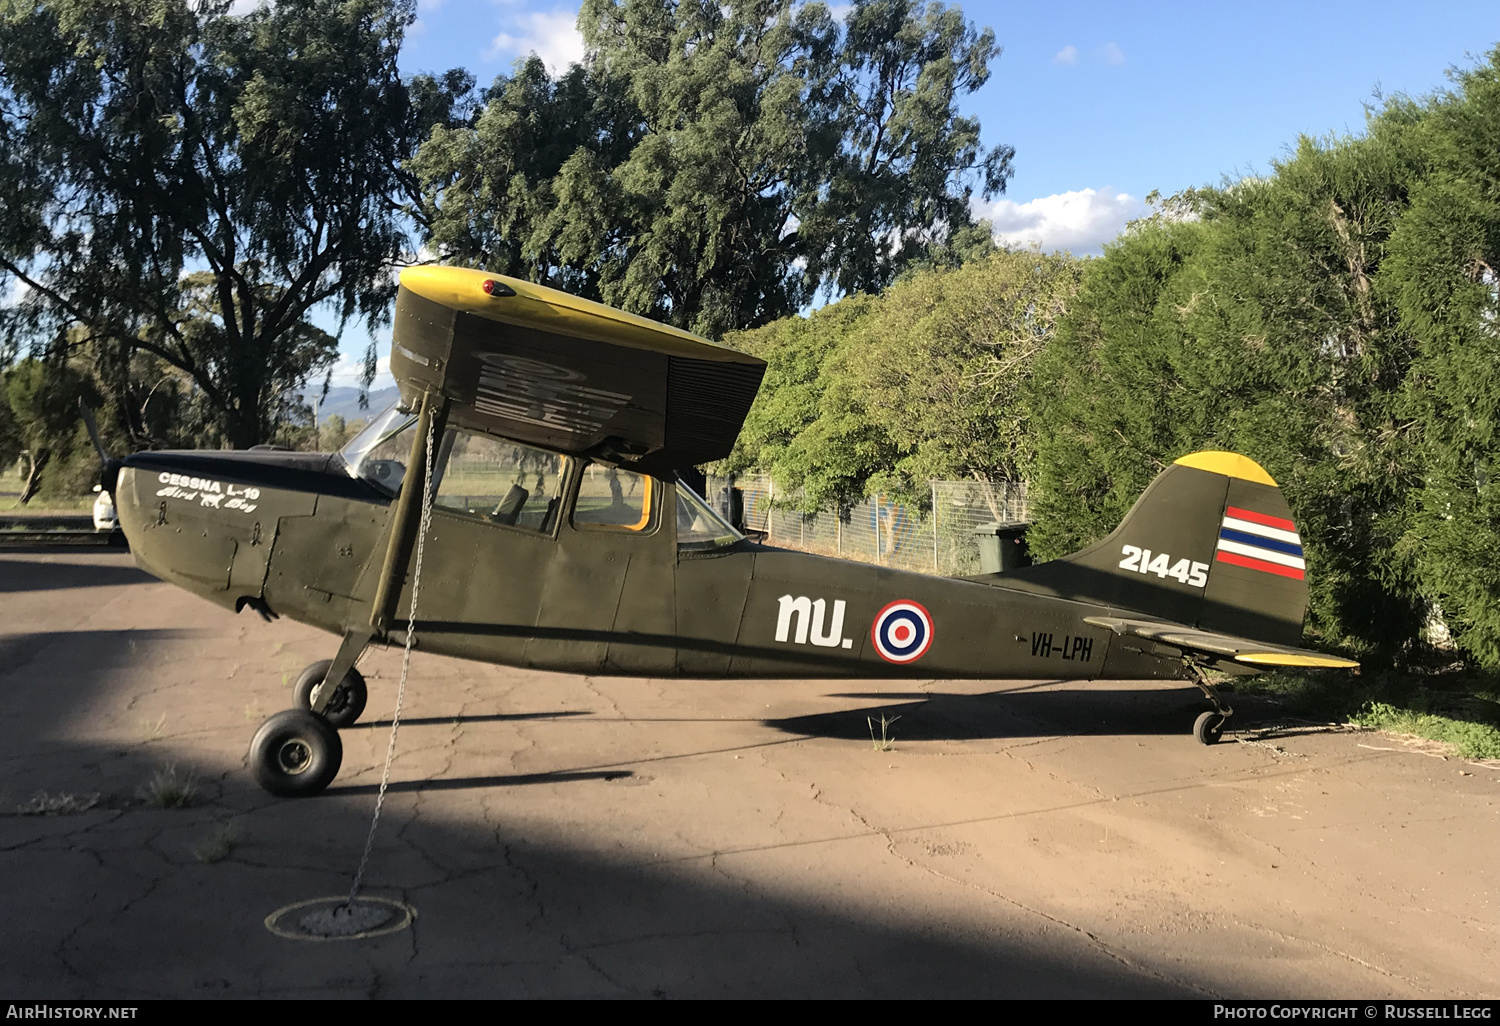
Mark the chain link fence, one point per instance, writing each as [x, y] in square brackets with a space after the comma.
[938, 540]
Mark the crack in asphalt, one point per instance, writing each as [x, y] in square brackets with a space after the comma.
[1104, 948]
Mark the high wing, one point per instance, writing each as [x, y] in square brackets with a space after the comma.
[527, 362]
[1217, 646]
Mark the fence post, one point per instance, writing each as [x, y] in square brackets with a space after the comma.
[770, 504]
[933, 485]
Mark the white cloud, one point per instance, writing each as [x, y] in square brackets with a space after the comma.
[17, 292]
[1081, 221]
[1113, 55]
[1067, 55]
[840, 12]
[552, 36]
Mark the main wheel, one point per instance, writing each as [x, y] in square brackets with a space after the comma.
[348, 699]
[295, 753]
[1209, 728]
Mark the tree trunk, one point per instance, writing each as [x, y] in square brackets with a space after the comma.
[36, 460]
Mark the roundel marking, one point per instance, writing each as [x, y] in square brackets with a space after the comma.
[902, 631]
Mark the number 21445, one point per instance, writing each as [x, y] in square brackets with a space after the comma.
[1144, 561]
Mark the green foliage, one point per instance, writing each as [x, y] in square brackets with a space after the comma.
[1442, 277]
[1258, 330]
[922, 382]
[1100, 401]
[943, 361]
[1337, 322]
[715, 165]
[42, 399]
[806, 427]
[142, 139]
[1447, 706]
[1473, 740]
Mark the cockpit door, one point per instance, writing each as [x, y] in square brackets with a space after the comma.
[607, 604]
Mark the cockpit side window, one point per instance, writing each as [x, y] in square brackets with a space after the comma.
[502, 481]
[613, 499]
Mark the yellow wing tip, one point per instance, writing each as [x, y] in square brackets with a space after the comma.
[526, 302]
[1230, 464]
[1286, 659]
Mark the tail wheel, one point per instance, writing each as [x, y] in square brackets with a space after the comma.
[1209, 728]
[295, 753]
[348, 700]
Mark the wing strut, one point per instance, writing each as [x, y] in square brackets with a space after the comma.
[405, 523]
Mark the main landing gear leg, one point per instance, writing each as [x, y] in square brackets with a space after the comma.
[1209, 727]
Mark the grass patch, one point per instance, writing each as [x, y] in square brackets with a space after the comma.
[1449, 705]
[43, 804]
[1473, 740]
[169, 788]
[217, 845]
[887, 740]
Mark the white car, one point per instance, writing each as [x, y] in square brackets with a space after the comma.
[104, 511]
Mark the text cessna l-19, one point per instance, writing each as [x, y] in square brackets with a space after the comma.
[561, 537]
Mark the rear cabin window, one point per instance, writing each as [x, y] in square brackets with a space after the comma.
[503, 482]
[613, 499]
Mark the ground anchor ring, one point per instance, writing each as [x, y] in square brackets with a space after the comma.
[336, 919]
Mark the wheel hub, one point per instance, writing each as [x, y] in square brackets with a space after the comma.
[294, 756]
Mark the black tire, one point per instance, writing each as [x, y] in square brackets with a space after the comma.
[295, 754]
[348, 700]
[1209, 728]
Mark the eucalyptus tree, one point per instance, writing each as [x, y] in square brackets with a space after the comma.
[190, 184]
[715, 165]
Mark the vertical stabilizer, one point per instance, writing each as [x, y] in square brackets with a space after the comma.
[1210, 543]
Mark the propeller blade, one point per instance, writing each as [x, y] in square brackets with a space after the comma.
[88, 422]
[109, 470]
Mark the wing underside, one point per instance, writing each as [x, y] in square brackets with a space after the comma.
[522, 361]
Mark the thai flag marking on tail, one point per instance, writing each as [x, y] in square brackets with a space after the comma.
[1259, 541]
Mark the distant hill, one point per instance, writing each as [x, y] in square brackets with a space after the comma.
[344, 402]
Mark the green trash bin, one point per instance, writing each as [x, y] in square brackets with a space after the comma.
[1002, 546]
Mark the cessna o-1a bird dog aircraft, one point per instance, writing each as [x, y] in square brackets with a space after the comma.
[561, 537]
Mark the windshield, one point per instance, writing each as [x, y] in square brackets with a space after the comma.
[698, 526]
[378, 453]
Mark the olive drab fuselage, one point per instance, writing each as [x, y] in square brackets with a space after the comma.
[295, 535]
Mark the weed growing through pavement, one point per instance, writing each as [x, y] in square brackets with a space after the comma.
[154, 731]
[217, 845]
[887, 741]
[43, 804]
[169, 788]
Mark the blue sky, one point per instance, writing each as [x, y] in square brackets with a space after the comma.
[1102, 102]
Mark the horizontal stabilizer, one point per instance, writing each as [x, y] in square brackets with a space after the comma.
[1220, 646]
